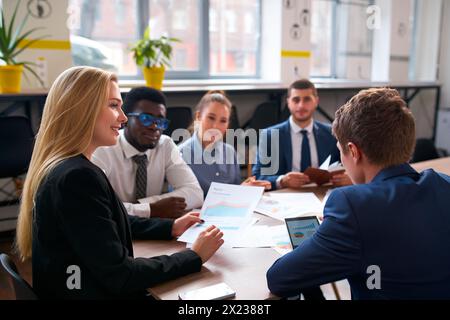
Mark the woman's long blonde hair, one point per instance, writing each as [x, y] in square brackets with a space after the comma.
[67, 126]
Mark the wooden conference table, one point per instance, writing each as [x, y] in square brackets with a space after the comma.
[243, 269]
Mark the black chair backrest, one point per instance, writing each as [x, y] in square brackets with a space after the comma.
[265, 115]
[285, 114]
[16, 145]
[234, 119]
[22, 289]
[180, 118]
[425, 150]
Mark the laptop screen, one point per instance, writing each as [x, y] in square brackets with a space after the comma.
[301, 228]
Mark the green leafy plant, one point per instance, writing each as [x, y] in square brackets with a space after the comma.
[11, 39]
[153, 52]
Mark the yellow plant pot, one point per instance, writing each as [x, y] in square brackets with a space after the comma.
[154, 76]
[10, 78]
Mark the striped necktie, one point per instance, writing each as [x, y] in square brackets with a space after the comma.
[141, 176]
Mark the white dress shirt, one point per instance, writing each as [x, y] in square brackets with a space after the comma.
[297, 140]
[164, 161]
[296, 143]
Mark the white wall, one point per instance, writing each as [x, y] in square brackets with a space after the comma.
[286, 40]
[53, 53]
[295, 40]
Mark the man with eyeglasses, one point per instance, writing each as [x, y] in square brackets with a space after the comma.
[143, 159]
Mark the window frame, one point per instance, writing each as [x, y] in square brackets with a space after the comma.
[333, 44]
[203, 73]
[334, 37]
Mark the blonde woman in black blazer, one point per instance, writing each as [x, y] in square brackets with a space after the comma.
[72, 223]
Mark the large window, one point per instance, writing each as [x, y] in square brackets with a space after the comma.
[322, 37]
[179, 19]
[234, 37]
[341, 42]
[101, 33]
[218, 38]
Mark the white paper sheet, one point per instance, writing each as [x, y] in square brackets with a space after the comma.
[255, 237]
[279, 205]
[326, 163]
[228, 207]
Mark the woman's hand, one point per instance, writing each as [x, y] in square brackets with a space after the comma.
[208, 242]
[183, 223]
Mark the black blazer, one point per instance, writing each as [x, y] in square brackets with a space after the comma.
[78, 220]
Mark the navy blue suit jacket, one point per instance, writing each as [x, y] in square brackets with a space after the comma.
[282, 162]
[400, 222]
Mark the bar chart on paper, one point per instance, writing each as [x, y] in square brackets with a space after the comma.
[228, 207]
[224, 209]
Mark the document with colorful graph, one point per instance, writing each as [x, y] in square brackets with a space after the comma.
[228, 207]
[281, 205]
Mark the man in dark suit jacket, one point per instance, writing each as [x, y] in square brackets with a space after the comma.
[287, 149]
[389, 234]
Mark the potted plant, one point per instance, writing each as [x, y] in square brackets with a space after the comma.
[154, 56]
[13, 41]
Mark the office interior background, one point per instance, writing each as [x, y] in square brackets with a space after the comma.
[252, 49]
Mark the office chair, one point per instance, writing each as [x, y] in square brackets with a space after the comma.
[16, 145]
[265, 115]
[426, 150]
[234, 119]
[233, 125]
[22, 290]
[284, 114]
[180, 118]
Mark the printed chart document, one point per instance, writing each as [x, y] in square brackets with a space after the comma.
[281, 205]
[228, 207]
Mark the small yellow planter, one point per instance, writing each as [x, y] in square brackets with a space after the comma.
[154, 76]
[10, 78]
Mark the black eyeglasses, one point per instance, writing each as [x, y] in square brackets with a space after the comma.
[148, 120]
